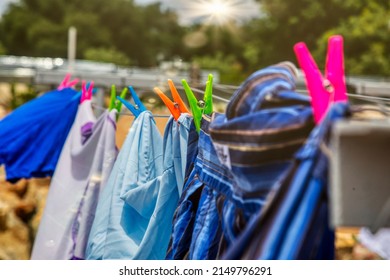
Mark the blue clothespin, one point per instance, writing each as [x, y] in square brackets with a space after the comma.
[139, 106]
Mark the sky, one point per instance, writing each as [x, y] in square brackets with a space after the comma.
[4, 4]
[200, 11]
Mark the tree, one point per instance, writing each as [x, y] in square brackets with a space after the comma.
[39, 28]
[288, 22]
[364, 25]
[2, 49]
[107, 55]
[367, 40]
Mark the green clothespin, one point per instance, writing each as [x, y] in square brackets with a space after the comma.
[114, 103]
[200, 107]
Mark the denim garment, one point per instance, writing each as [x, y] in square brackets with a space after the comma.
[83, 169]
[294, 222]
[119, 228]
[258, 147]
[32, 136]
[157, 200]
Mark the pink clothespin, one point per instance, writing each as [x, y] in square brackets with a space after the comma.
[86, 91]
[67, 83]
[332, 87]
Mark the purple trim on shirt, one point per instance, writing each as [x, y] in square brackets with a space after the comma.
[76, 225]
[113, 122]
[86, 131]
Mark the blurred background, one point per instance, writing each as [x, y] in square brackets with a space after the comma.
[144, 42]
[147, 41]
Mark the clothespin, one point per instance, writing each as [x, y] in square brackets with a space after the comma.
[332, 87]
[178, 106]
[200, 107]
[114, 104]
[139, 106]
[67, 83]
[86, 91]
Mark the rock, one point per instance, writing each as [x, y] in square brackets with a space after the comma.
[19, 188]
[21, 208]
[14, 235]
[25, 210]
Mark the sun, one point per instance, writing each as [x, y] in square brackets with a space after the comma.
[218, 8]
[219, 12]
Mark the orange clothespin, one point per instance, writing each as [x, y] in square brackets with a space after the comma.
[328, 89]
[178, 106]
[66, 82]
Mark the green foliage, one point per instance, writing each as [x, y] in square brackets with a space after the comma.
[141, 33]
[367, 40]
[229, 67]
[364, 25]
[3, 51]
[21, 97]
[119, 31]
[107, 55]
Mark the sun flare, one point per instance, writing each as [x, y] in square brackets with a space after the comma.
[214, 12]
[218, 8]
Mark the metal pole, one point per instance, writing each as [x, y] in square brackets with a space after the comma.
[99, 100]
[72, 43]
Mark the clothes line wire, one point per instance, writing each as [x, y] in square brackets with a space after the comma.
[128, 114]
[202, 92]
[228, 88]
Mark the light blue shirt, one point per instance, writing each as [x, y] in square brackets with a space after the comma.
[156, 201]
[134, 217]
[119, 228]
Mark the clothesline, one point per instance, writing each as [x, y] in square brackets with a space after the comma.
[353, 95]
[375, 99]
[127, 114]
[214, 96]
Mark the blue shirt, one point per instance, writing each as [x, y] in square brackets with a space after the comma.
[32, 136]
[127, 202]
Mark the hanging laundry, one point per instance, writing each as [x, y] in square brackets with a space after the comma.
[294, 222]
[207, 170]
[267, 125]
[249, 149]
[32, 136]
[176, 236]
[160, 196]
[82, 172]
[119, 228]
